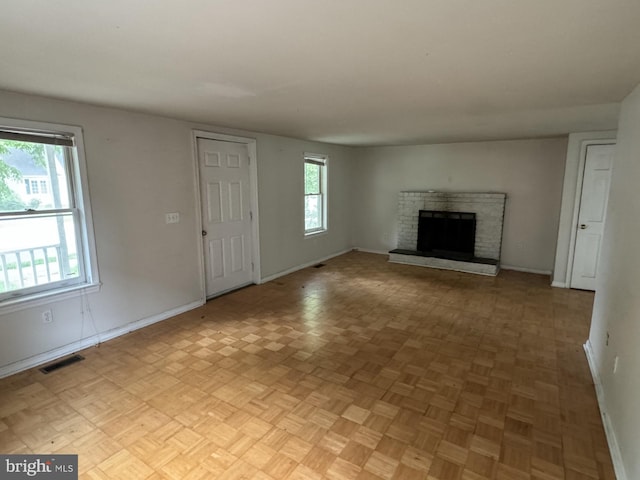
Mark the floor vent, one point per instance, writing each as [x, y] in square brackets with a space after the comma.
[320, 265]
[61, 363]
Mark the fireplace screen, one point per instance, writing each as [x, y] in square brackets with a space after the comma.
[450, 234]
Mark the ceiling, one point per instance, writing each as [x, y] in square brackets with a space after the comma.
[352, 72]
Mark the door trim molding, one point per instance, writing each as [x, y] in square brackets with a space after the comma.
[251, 144]
[576, 203]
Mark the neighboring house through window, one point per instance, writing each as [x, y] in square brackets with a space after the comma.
[46, 235]
[315, 193]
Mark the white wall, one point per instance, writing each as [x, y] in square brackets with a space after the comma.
[141, 167]
[617, 301]
[529, 171]
[281, 193]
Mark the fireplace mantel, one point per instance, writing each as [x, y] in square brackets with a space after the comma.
[489, 210]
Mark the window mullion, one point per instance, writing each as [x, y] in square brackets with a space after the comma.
[37, 213]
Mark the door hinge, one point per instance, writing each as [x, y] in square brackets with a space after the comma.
[252, 267]
[250, 215]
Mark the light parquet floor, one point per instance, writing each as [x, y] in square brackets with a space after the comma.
[358, 370]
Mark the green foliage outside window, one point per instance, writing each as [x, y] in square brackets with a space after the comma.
[311, 179]
[9, 200]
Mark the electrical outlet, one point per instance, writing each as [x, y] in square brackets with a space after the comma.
[47, 316]
[172, 217]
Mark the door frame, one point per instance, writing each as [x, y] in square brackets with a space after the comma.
[575, 153]
[251, 144]
[577, 201]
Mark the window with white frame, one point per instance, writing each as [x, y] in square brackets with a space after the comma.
[46, 242]
[315, 193]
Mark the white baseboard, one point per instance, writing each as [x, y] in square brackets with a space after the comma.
[614, 448]
[304, 265]
[65, 350]
[558, 284]
[368, 250]
[526, 270]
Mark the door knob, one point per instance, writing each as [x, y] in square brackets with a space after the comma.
[582, 226]
[204, 233]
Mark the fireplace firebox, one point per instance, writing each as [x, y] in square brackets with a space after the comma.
[447, 234]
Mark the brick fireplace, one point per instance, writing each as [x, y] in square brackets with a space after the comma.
[489, 214]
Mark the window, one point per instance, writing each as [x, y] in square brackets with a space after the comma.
[315, 193]
[46, 243]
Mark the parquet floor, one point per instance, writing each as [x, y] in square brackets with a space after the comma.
[358, 370]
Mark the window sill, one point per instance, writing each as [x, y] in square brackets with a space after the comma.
[43, 298]
[315, 233]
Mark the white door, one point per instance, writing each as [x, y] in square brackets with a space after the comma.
[226, 215]
[591, 216]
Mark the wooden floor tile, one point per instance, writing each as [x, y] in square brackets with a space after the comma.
[359, 370]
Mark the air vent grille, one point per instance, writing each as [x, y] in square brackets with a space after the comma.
[62, 363]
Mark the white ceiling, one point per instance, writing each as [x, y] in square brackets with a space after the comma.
[354, 72]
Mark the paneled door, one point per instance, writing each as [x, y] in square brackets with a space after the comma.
[592, 215]
[226, 215]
